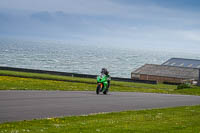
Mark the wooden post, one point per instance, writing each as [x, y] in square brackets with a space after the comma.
[199, 79]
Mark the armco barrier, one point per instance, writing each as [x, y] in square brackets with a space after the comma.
[133, 80]
[74, 74]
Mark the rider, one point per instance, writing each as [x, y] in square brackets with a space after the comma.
[106, 80]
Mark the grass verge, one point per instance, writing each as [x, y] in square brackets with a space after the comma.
[32, 81]
[180, 119]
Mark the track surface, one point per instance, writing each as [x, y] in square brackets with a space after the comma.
[26, 105]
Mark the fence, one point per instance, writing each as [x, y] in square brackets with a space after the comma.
[74, 74]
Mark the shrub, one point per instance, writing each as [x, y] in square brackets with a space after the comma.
[184, 85]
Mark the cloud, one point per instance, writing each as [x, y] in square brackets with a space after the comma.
[43, 16]
[89, 7]
[106, 22]
[93, 7]
[135, 12]
[192, 36]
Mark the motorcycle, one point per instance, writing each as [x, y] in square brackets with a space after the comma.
[100, 84]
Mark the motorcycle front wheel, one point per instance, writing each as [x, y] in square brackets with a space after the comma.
[98, 89]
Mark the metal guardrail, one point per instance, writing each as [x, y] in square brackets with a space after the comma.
[74, 74]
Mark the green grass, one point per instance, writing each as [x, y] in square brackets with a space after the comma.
[44, 76]
[179, 119]
[32, 81]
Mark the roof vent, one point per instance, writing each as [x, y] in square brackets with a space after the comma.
[173, 64]
[190, 65]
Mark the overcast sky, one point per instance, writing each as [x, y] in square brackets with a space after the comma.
[131, 23]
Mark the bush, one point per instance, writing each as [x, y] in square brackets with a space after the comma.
[184, 85]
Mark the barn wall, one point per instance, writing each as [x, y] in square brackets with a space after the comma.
[159, 79]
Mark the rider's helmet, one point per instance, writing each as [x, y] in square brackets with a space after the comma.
[104, 71]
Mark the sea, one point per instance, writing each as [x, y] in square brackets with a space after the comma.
[81, 58]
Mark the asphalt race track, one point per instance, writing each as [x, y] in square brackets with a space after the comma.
[27, 105]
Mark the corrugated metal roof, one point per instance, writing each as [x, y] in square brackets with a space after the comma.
[168, 71]
[192, 63]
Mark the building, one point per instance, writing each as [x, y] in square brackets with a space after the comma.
[175, 70]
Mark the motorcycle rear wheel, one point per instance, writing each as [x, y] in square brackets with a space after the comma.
[105, 91]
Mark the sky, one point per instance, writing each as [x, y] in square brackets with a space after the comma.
[153, 24]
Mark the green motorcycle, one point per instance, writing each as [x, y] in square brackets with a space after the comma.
[103, 83]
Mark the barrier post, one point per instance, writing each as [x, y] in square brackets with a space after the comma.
[199, 79]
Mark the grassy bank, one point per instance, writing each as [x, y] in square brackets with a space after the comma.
[33, 81]
[179, 119]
